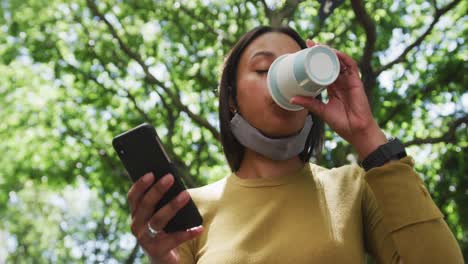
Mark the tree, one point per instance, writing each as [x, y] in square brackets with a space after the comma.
[75, 74]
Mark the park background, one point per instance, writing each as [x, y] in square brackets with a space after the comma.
[73, 74]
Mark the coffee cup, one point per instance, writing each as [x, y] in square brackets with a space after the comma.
[306, 72]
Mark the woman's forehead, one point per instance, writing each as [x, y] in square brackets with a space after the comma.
[274, 43]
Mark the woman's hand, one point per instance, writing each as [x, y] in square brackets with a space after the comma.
[347, 112]
[162, 247]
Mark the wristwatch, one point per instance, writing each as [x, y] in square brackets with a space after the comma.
[392, 150]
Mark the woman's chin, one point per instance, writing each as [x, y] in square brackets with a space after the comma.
[281, 112]
[285, 116]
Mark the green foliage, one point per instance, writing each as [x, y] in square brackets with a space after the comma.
[75, 74]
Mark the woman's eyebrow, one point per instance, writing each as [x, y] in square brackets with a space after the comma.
[263, 53]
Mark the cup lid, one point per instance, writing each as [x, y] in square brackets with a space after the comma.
[322, 65]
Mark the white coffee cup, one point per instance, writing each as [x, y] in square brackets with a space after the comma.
[306, 72]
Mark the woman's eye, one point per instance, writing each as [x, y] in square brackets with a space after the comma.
[261, 71]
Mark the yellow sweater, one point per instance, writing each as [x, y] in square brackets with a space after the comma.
[319, 215]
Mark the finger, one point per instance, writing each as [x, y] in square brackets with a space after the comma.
[151, 198]
[164, 242]
[173, 240]
[312, 104]
[346, 60]
[138, 189]
[310, 43]
[331, 90]
[160, 219]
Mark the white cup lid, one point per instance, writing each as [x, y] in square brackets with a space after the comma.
[322, 65]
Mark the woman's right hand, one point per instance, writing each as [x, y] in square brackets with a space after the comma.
[162, 247]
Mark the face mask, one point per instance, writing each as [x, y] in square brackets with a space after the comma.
[273, 148]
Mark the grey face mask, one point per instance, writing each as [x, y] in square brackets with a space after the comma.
[273, 148]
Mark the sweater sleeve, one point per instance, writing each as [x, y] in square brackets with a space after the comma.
[402, 224]
[185, 251]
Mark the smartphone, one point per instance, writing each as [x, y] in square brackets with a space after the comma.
[141, 151]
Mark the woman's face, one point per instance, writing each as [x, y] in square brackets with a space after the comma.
[254, 100]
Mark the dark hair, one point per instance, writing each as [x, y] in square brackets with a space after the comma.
[233, 150]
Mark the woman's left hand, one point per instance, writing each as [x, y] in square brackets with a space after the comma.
[347, 112]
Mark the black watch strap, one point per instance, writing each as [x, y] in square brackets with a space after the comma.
[392, 150]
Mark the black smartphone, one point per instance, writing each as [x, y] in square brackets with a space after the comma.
[141, 151]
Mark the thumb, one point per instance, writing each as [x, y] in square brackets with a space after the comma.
[312, 104]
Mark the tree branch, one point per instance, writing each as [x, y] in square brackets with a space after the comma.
[437, 83]
[181, 166]
[199, 76]
[268, 11]
[326, 10]
[102, 153]
[150, 77]
[93, 78]
[277, 17]
[339, 35]
[369, 27]
[188, 178]
[365, 63]
[241, 16]
[207, 26]
[439, 12]
[428, 89]
[133, 254]
[288, 10]
[448, 137]
[434, 4]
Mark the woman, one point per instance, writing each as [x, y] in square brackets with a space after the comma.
[279, 208]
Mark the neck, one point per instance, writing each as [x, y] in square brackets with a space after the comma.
[255, 165]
